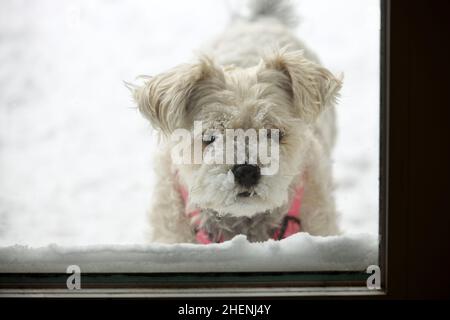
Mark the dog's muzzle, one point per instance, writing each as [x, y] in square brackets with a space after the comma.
[246, 175]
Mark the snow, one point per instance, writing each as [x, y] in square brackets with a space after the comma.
[75, 155]
[300, 252]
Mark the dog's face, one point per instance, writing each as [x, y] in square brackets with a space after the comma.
[285, 92]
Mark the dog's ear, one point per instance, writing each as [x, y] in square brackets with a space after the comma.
[311, 86]
[164, 99]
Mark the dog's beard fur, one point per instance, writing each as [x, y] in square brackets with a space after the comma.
[284, 91]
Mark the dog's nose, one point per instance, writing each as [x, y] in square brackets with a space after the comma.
[246, 175]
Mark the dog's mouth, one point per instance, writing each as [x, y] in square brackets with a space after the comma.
[244, 194]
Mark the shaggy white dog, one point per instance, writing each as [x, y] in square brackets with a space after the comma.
[256, 75]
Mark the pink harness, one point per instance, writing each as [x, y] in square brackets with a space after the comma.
[289, 225]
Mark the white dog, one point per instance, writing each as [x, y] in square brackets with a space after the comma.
[256, 75]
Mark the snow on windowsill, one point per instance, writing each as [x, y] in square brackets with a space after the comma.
[300, 252]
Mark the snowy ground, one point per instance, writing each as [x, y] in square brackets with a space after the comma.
[75, 156]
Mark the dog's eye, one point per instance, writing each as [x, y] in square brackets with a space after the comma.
[209, 140]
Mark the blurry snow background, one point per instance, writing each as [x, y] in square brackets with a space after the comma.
[75, 156]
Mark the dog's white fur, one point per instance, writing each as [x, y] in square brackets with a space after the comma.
[255, 75]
